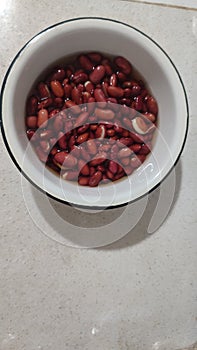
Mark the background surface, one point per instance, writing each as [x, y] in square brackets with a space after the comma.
[139, 293]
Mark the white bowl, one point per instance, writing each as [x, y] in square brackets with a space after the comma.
[116, 38]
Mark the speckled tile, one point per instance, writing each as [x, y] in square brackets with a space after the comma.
[139, 293]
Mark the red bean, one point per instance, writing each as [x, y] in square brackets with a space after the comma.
[113, 80]
[76, 95]
[152, 105]
[97, 74]
[83, 181]
[115, 91]
[85, 62]
[32, 105]
[82, 118]
[95, 57]
[104, 114]
[89, 87]
[75, 109]
[113, 167]
[57, 88]
[31, 122]
[91, 147]
[59, 74]
[43, 90]
[83, 137]
[111, 98]
[124, 152]
[123, 65]
[42, 118]
[70, 175]
[80, 77]
[65, 160]
[95, 179]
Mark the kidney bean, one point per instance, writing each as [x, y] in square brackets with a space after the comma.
[152, 105]
[119, 176]
[67, 90]
[41, 154]
[43, 90]
[125, 161]
[30, 133]
[104, 114]
[75, 109]
[135, 162]
[57, 88]
[32, 105]
[76, 95]
[111, 132]
[85, 62]
[97, 74]
[67, 125]
[95, 57]
[83, 180]
[31, 122]
[135, 90]
[100, 132]
[123, 64]
[95, 179]
[97, 161]
[128, 169]
[115, 91]
[70, 175]
[104, 87]
[83, 137]
[146, 148]
[120, 169]
[108, 69]
[91, 147]
[45, 134]
[47, 102]
[71, 142]
[127, 122]
[57, 123]
[136, 147]
[100, 97]
[58, 74]
[113, 80]
[79, 77]
[45, 146]
[125, 101]
[65, 160]
[58, 102]
[62, 140]
[42, 118]
[150, 116]
[121, 76]
[125, 141]
[124, 152]
[113, 167]
[89, 87]
[83, 167]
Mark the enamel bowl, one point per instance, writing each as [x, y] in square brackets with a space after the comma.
[112, 37]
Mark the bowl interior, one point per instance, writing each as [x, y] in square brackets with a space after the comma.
[114, 38]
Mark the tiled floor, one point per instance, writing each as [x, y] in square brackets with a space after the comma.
[140, 293]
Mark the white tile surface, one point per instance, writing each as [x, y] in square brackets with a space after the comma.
[185, 3]
[141, 292]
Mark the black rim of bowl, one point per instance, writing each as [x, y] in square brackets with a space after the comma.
[7, 144]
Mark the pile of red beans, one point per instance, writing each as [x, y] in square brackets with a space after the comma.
[91, 121]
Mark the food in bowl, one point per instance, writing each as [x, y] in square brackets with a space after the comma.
[92, 118]
[112, 37]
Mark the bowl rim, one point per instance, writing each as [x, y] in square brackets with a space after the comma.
[4, 134]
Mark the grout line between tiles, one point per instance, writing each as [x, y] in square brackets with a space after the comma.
[163, 5]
